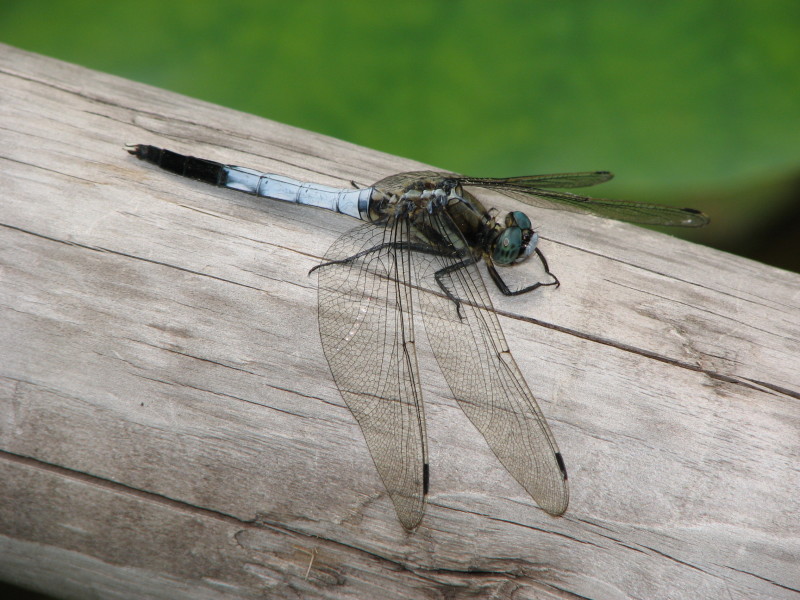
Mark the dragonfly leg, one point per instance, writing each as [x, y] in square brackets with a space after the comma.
[412, 247]
[394, 245]
[555, 282]
[446, 271]
[506, 291]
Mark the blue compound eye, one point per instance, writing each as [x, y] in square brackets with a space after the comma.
[520, 219]
[507, 246]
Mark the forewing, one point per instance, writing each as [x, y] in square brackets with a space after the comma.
[526, 182]
[483, 376]
[641, 213]
[399, 182]
[531, 189]
[558, 180]
[365, 323]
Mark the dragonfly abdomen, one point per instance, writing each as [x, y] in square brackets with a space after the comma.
[354, 203]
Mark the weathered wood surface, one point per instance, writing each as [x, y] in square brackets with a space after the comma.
[169, 427]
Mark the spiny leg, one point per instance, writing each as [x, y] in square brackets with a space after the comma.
[556, 282]
[376, 248]
[506, 291]
[446, 271]
[411, 246]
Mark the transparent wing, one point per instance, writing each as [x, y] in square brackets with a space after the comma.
[365, 322]
[529, 190]
[558, 180]
[399, 181]
[477, 364]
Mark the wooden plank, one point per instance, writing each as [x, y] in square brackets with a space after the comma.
[169, 427]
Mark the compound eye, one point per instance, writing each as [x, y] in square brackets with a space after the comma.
[507, 246]
[518, 219]
[521, 220]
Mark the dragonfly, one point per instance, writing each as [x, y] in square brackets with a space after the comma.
[417, 253]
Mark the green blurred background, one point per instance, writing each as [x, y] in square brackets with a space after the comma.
[695, 103]
[690, 102]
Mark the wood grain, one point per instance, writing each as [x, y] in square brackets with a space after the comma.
[169, 427]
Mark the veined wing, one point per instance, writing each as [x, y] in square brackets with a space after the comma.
[557, 181]
[365, 323]
[529, 190]
[483, 377]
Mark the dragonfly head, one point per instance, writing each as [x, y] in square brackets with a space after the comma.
[516, 242]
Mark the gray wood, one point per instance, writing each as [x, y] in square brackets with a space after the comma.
[169, 427]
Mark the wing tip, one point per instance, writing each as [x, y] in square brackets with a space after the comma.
[695, 218]
[561, 465]
[411, 509]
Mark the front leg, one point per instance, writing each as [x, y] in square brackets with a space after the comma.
[504, 289]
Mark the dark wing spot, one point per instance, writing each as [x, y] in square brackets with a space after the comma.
[561, 465]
